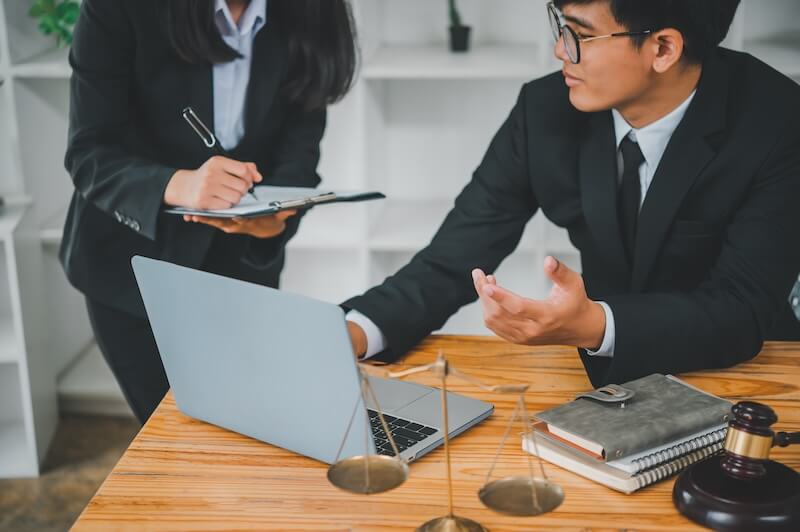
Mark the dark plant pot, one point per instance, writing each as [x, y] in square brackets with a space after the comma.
[459, 38]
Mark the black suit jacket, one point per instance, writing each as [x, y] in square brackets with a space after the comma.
[717, 244]
[127, 138]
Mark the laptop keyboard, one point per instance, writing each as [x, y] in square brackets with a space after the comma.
[405, 433]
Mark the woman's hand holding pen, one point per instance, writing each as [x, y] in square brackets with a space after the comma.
[261, 227]
[219, 184]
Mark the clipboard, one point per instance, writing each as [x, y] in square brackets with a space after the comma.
[268, 199]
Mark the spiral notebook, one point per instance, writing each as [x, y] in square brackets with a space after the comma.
[617, 478]
[663, 426]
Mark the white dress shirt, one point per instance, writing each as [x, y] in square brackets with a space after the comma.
[652, 140]
[231, 78]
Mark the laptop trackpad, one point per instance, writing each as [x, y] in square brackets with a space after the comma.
[394, 394]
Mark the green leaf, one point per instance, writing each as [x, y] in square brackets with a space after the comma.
[455, 16]
[71, 12]
[37, 10]
[56, 16]
[65, 10]
[46, 26]
[63, 35]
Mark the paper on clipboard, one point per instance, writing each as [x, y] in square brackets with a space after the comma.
[271, 199]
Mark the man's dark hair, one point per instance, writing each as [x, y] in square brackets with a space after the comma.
[703, 23]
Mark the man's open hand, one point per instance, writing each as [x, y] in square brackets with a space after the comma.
[566, 317]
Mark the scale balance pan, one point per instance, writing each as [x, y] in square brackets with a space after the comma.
[515, 496]
[368, 474]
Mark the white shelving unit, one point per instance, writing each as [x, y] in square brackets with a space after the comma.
[408, 61]
[415, 126]
[43, 325]
[28, 411]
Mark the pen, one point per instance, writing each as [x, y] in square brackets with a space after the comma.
[208, 138]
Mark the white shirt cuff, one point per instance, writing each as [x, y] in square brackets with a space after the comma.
[376, 340]
[610, 336]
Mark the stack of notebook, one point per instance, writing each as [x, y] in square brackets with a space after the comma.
[664, 427]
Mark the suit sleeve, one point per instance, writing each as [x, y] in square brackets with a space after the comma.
[483, 227]
[725, 320]
[295, 164]
[105, 172]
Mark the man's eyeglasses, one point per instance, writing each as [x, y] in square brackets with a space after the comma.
[572, 40]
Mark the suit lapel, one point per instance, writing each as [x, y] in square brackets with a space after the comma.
[598, 177]
[687, 154]
[201, 98]
[266, 72]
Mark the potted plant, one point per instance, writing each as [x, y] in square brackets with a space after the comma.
[459, 33]
[56, 17]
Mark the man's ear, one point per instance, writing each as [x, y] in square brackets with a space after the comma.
[667, 49]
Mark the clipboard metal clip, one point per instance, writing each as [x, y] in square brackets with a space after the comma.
[303, 202]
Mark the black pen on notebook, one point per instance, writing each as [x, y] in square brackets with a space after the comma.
[209, 139]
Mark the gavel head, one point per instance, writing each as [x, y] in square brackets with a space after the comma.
[749, 440]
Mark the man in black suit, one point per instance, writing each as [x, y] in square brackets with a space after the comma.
[675, 166]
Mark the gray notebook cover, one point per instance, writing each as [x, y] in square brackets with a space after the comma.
[663, 409]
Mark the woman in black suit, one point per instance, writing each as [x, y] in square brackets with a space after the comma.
[259, 73]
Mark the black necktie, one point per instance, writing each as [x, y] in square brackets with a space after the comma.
[630, 193]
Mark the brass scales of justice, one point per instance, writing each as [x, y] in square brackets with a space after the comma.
[523, 495]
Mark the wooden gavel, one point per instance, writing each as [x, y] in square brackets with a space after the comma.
[749, 440]
[742, 489]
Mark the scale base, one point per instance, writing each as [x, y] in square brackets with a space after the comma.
[451, 523]
[707, 495]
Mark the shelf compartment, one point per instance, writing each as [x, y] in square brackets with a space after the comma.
[89, 387]
[490, 62]
[52, 228]
[16, 453]
[518, 273]
[9, 347]
[327, 275]
[21, 33]
[431, 150]
[9, 173]
[330, 227]
[406, 225]
[779, 51]
[15, 460]
[10, 217]
[556, 241]
[9, 342]
[43, 109]
[409, 225]
[52, 64]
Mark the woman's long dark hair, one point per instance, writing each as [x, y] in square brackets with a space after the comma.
[320, 33]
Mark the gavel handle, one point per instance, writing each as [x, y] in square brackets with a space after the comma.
[784, 439]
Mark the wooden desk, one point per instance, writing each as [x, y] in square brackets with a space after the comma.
[182, 474]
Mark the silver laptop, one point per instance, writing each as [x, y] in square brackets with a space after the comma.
[279, 367]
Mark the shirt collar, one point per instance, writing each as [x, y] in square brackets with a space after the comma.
[653, 138]
[253, 18]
